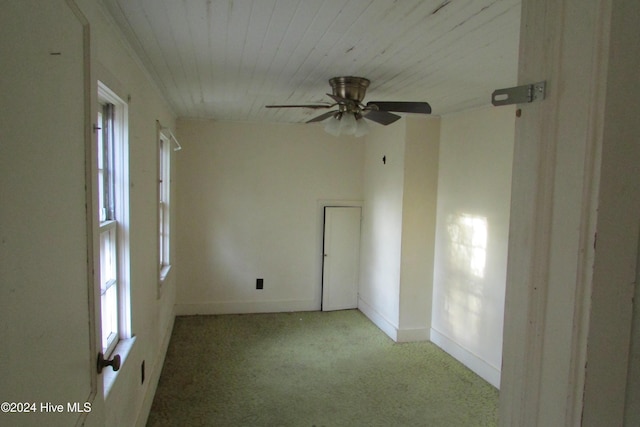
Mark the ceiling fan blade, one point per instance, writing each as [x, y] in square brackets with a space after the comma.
[323, 116]
[315, 106]
[382, 117]
[402, 107]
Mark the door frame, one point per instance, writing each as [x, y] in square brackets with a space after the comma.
[324, 251]
[320, 205]
[567, 303]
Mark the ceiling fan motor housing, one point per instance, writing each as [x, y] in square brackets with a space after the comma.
[350, 87]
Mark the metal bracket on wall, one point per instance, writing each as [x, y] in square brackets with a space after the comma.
[519, 94]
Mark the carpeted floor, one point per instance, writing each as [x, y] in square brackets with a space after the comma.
[311, 369]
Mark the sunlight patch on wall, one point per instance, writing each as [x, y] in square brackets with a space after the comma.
[468, 240]
[467, 255]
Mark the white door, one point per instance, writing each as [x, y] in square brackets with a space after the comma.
[341, 258]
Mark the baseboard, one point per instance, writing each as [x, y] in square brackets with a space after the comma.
[488, 372]
[413, 334]
[155, 372]
[379, 320]
[242, 307]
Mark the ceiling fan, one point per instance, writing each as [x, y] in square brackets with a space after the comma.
[348, 93]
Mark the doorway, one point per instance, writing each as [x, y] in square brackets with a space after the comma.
[340, 257]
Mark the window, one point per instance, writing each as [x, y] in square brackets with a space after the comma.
[164, 182]
[112, 215]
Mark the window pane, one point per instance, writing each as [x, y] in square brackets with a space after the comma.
[164, 180]
[109, 317]
[106, 174]
[101, 172]
[106, 147]
[108, 265]
[162, 260]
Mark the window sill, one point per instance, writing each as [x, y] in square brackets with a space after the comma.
[164, 274]
[109, 375]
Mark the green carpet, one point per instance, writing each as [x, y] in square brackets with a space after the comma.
[311, 369]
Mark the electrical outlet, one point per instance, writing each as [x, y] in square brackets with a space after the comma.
[259, 283]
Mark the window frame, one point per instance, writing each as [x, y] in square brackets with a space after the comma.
[119, 221]
[164, 207]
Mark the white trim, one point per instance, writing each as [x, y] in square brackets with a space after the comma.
[554, 209]
[122, 204]
[164, 131]
[123, 349]
[413, 334]
[485, 370]
[164, 162]
[378, 319]
[164, 272]
[320, 205]
[243, 307]
[92, 242]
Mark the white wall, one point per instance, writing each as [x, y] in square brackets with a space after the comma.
[474, 184]
[250, 199]
[419, 207]
[380, 252]
[396, 268]
[48, 355]
[44, 321]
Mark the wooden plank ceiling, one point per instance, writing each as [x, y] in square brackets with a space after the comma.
[227, 59]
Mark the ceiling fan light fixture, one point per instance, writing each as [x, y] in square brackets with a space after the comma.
[362, 127]
[332, 125]
[347, 123]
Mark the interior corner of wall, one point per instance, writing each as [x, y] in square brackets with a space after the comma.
[378, 319]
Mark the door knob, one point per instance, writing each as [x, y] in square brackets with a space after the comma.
[114, 362]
